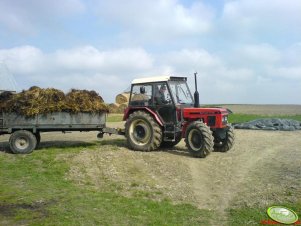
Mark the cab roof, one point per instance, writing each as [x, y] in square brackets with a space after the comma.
[158, 79]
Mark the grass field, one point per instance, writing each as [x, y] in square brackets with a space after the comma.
[35, 190]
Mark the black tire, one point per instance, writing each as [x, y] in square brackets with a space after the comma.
[22, 142]
[224, 145]
[38, 136]
[170, 144]
[142, 132]
[199, 139]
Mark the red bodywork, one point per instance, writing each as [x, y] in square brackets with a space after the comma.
[129, 110]
[206, 115]
[213, 117]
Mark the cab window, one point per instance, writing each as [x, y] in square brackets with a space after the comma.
[141, 95]
[161, 94]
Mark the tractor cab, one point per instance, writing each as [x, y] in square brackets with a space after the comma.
[162, 95]
[168, 102]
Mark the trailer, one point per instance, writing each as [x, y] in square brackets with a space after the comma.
[25, 131]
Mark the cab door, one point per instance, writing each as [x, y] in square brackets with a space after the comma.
[163, 102]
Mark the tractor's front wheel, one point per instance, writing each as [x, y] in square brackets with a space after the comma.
[226, 143]
[199, 139]
[142, 132]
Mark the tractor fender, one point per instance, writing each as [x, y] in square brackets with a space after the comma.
[130, 110]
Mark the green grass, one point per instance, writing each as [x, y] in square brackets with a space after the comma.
[233, 118]
[239, 118]
[114, 117]
[35, 190]
[254, 216]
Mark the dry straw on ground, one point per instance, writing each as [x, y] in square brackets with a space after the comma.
[41, 101]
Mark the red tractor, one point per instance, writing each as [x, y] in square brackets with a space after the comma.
[162, 111]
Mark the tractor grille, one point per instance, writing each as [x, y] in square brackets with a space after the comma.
[211, 120]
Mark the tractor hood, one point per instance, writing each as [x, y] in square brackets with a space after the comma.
[213, 117]
[189, 112]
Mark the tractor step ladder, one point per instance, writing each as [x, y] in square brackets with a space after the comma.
[169, 132]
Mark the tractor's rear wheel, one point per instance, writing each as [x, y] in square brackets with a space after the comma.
[170, 144]
[224, 145]
[142, 132]
[199, 139]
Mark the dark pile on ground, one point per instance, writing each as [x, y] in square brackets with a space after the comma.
[271, 124]
[41, 101]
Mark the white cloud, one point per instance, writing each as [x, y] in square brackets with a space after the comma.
[262, 53]
[254, 55]
[292, 56]
[191, 58]
[25, 16]
[111, 71]
[266, 17]
[83, 67]
[157, 19]
[285, 73]
[90, 58]
[23, 59]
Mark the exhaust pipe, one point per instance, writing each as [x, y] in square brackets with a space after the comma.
[196, 93]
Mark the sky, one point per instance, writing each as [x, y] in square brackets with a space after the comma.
[245, 51]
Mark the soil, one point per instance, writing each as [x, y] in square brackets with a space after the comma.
[263, 168]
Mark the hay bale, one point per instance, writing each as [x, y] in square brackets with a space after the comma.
[122, 107]
[122, 98]
[117, 108]
[139, 97]
[113, 108]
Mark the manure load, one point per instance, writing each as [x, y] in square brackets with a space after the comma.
[42, 101]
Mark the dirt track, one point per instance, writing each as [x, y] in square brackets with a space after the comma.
[262, 169]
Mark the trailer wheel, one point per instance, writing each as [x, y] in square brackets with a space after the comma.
[22, 142]
[142, 132]
[199, 139]
[224, 145]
